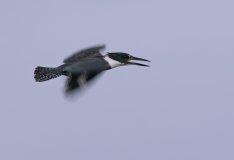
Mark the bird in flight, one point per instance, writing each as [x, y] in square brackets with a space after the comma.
[84, 65]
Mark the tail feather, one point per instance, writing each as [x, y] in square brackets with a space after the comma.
[45, 73]
[40, 69]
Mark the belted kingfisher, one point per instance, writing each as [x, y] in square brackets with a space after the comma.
[84, 65]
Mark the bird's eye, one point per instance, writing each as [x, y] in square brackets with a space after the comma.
[129, 56]
[125, 56]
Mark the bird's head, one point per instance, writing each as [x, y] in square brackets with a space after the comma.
[116, 59]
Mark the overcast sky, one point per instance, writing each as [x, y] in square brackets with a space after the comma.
[180, 108]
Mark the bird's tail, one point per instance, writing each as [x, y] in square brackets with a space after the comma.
[45, 73]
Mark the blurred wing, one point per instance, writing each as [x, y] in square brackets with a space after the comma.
[76, 82]
[86, 53]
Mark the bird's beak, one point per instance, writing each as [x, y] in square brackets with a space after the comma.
[138, 59]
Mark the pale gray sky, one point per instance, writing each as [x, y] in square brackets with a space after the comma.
[181, 108]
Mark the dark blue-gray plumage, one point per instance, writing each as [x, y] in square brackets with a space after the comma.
[84, 65]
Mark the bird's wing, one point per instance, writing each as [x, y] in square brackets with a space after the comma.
[85, 53]
[75, 82]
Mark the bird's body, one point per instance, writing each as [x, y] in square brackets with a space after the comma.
[84, 66]
[98, 65]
